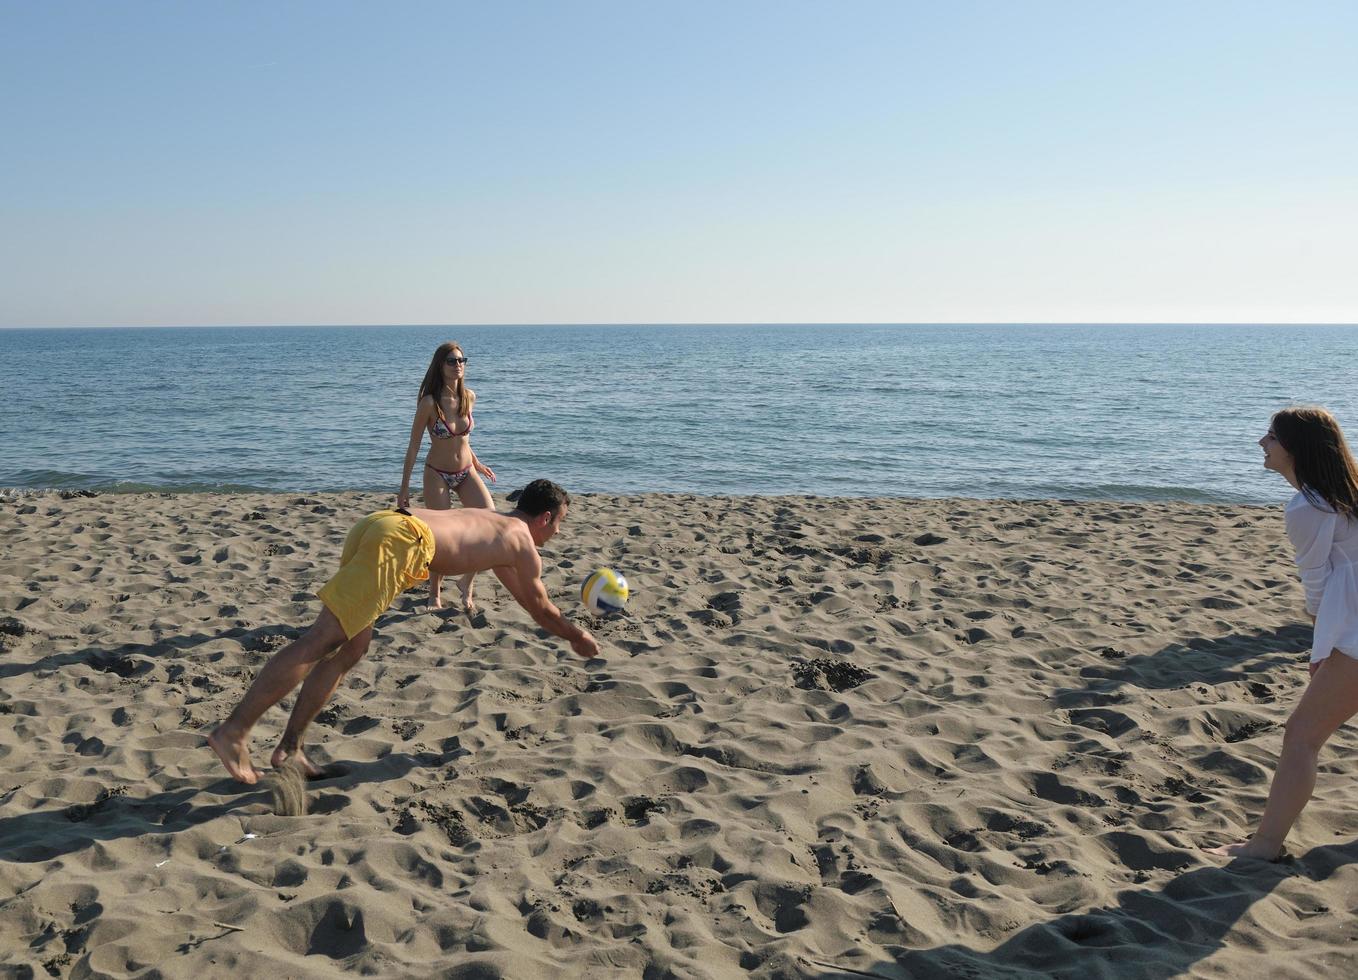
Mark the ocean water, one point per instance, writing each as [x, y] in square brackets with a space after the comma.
[1092, 412]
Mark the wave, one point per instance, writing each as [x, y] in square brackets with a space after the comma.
[1130, 492]
[29, 480]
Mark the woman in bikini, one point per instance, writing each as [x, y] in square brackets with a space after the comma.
[445, 412]
[1305, 446]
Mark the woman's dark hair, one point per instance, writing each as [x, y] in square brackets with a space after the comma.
[1321, 460]
[540, 496]
[433, 385]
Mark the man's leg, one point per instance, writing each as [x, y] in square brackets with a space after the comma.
[284, 671]
[320, 685]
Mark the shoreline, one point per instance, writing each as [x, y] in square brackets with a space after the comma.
[906, 737]
[9, 493]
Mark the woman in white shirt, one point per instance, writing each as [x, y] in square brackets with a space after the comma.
[1306, 447]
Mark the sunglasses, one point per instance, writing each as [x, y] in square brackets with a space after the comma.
[454, 359]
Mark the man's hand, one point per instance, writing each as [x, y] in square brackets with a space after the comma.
[585, 645]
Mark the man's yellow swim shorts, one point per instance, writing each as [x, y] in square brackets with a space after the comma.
[385, 554]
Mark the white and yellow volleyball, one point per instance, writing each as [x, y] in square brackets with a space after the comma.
[604, 593]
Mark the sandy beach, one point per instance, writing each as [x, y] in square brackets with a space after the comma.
[829, 738]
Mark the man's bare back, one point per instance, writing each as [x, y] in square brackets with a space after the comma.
[474, 540]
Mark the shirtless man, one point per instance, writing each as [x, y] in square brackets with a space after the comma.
[386, 553]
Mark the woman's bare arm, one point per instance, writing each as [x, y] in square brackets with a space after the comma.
[422, 413]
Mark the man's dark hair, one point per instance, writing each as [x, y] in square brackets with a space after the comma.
[541, 495]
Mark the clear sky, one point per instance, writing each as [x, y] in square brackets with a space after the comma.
[505, 161]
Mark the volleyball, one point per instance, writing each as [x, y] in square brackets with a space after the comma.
[604, 593]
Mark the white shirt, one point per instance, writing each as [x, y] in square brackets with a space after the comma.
[1326, 549]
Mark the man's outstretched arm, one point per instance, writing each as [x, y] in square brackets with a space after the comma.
[524, 582]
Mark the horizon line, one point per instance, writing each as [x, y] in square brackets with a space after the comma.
[697, 323]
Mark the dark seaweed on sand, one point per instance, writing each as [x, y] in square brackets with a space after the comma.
[829, 675]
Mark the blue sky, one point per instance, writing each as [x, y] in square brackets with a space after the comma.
[532, 162]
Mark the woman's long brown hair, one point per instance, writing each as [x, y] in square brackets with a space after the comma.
[1321, 460]
[433, 385]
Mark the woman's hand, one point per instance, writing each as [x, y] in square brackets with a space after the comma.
[484, 470]
[403, 500]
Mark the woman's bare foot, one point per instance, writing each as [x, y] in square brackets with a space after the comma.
[231, 749]
[1247, 849]
[298, 758]
[464, 588]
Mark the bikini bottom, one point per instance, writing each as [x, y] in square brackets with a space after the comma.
[454, 479]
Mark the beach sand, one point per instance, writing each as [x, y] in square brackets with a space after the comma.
[829, 738]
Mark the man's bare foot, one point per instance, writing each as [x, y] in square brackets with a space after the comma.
[1247, 849]
[298, 758]
[234, 755]
[435, 601]
[468, 603]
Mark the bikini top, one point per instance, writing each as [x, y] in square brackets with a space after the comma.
[440, 430]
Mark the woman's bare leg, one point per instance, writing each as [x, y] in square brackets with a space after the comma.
[473, 493]
[316, 691]
[285, 670]
[435, 498]
[1330, 700]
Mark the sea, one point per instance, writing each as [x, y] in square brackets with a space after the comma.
[1091, 412]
